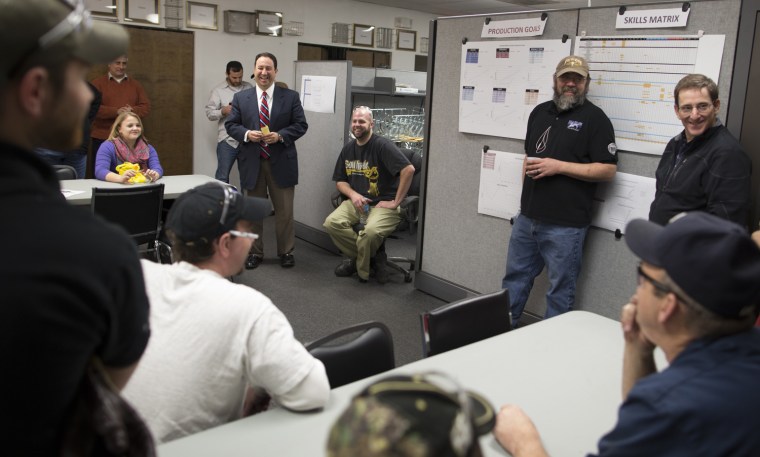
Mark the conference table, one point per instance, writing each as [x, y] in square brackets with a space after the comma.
[565, 372]
[79, 191]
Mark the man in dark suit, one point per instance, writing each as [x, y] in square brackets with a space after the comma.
[267, 123]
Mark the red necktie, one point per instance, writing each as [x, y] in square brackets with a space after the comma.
[264, 122]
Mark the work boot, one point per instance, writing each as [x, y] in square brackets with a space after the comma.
[346, 268]
[381, 268]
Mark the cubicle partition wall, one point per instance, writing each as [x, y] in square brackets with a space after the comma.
[464, 252]
[318, 150]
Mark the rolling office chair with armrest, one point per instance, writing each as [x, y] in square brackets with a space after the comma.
[136, 208]
[65, 172]
[370, 352]
[409, 214]
[465, 321]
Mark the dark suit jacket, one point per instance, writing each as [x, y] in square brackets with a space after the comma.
[287, 118]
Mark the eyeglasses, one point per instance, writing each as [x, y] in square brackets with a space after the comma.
[702, 108]
[230, 197]
[78, 19]
[657, 284]
[240, 234]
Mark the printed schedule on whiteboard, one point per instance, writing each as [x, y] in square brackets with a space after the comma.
[633, 77]
[502, 81]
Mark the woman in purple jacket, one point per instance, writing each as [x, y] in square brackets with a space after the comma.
[126, 143]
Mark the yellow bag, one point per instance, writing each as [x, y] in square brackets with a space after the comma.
[137, 178]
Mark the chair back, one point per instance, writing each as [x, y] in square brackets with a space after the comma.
[136, 208]
[367, 353]
[465, 321]
[65, 172]
[415, 157]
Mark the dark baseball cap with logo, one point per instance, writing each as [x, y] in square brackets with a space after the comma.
[422, 415]
[205, 212]
[713, 260]
[47, 32]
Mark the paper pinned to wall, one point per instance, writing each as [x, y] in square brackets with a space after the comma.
[318, 93]
[621, 200]
[500, 183]
[633, 77]
[616, 203]
[501, 82]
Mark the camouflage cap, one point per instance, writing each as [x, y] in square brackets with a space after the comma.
[412, 416]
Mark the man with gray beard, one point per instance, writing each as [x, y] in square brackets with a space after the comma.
[569, 147]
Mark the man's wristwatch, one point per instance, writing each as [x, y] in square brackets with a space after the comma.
[280, 138]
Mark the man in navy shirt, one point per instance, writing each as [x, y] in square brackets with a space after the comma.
[704, 167]
[697, 299]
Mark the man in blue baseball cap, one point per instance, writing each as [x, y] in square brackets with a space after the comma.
[697, 299]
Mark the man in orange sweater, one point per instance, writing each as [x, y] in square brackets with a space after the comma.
[119, 93]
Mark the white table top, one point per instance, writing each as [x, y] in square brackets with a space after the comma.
[174, 186]
[565, 372]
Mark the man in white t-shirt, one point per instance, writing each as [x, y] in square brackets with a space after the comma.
[214, 343]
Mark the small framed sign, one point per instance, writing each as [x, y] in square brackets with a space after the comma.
[145, 11]
[364, 35]
[268, 23]
[201, 16]
[105, 9]
[239, 21]
[406, 40]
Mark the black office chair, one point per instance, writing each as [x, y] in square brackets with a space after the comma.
[465, 321]
[409, 215]
[367, 354]
[137, 208]
[65, 172]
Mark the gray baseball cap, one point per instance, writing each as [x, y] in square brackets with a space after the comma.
[47, 32]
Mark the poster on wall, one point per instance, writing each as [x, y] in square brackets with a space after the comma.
[502, 81]
[318, 93]
[616, 202]
[625, 198]
[633, 77]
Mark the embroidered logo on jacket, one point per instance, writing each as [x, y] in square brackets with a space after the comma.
[574, 125]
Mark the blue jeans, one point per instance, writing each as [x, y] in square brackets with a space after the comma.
[532, 246]
[77, 159]
[226, 156]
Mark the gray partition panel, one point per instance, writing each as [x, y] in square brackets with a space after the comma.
[318, 150]
[464, 248]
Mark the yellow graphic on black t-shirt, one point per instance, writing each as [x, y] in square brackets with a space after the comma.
[361, 167]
